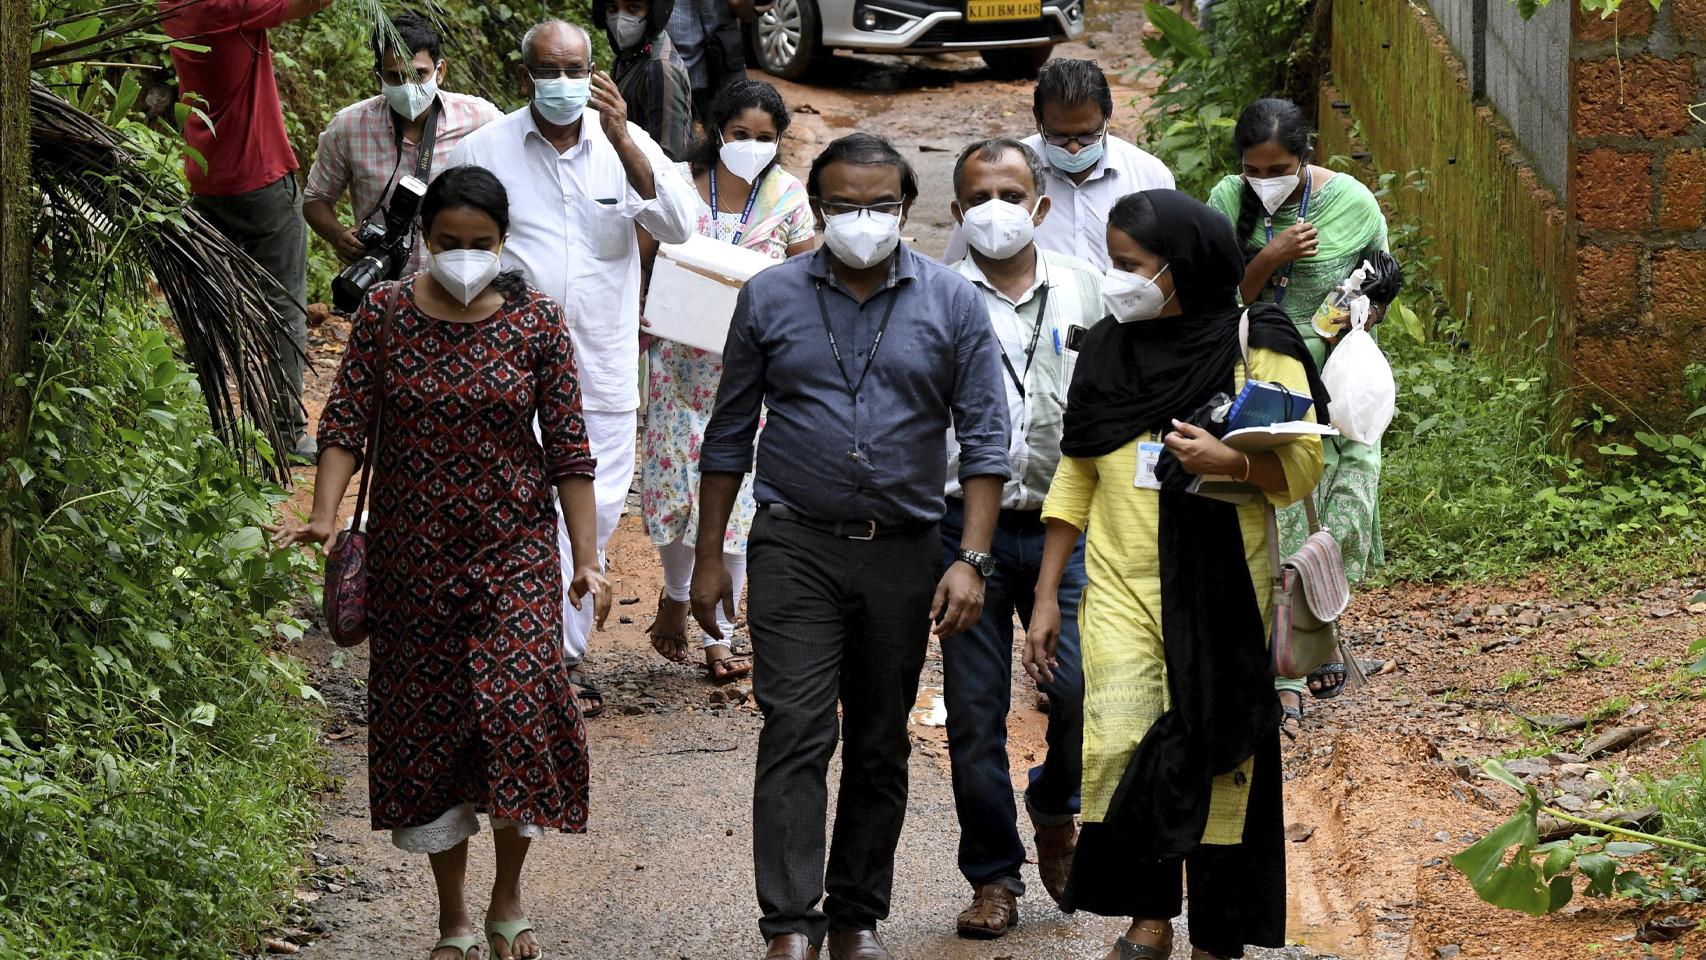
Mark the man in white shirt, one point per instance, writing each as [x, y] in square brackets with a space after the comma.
[1034, 297]
[1088, 167]
[579, 178]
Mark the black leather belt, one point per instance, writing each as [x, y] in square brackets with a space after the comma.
[850, 529]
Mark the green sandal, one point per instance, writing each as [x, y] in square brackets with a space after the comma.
[509, 930]
[460, 944]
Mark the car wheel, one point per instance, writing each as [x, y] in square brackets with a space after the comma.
[1023, 63]
[785, 38]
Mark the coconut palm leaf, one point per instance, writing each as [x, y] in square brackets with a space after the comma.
[97, 202]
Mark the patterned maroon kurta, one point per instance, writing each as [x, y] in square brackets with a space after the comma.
[468, 697]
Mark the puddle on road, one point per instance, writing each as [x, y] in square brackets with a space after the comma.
[929, 710]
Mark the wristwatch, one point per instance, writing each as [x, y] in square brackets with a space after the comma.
[983, 563]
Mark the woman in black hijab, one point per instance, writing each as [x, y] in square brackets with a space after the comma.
[1181, 750]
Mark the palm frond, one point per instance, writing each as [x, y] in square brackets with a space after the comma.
[98, 202]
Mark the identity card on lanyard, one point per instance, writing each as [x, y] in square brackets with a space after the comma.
[1148, 457]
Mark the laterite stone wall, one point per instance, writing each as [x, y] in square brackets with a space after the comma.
[1608, 276]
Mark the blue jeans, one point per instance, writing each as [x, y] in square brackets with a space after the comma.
[977, 668]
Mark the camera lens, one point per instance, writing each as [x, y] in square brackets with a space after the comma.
[352, 283]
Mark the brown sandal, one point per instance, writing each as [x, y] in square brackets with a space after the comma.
[664, 643]
[994, 911]
[728, 669]
[1055, 847]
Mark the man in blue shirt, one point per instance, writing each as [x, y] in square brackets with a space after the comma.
[863, 353]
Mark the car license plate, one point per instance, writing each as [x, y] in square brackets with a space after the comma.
[985, 11]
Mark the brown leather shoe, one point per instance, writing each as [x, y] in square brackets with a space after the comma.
[791, 946]
[993, 912]
[1055, 847]
[856, 945]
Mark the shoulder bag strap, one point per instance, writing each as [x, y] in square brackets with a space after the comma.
[370, 461]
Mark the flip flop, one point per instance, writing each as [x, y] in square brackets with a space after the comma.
[460, 944]
[587, 694]
[728, 674]
[509, 930]
[1326, 690]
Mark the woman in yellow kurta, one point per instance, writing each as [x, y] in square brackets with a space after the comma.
[1181, 751]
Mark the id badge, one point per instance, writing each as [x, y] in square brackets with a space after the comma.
[1148, 455]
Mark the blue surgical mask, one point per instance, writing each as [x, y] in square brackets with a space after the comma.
[561, 99]
[1066, 161]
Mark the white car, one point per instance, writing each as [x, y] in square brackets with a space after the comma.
[1014, 37]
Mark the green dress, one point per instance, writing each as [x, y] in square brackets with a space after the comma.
[1349, 222]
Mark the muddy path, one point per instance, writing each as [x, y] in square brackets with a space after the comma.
[1380, 791]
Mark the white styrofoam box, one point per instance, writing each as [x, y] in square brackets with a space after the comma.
[694, 284]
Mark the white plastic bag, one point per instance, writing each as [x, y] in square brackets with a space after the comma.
[1359, 379]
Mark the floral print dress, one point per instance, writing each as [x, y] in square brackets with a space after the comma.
[683, 380]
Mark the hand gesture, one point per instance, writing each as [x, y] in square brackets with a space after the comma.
[1042, 640]
[294, 531]
[959, 600]
[1300, 241]
[612, 109]
[590, 580]
[712, 588]
[1201, 452]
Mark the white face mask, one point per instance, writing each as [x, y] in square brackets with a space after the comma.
[1130, 297]
[998, 229]
[861, 238]
[561, 99]
[464, 273]
[630, 31]
[747, 159]
[410, 100]
[1274, 190]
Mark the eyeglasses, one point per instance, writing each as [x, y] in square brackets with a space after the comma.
[837, 209]
[552, 73]
[397, 78]
[1082, 139]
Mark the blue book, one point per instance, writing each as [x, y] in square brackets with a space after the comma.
[1263, 404]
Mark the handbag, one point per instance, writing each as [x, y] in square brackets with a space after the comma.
[345, 594]
[1310, 593]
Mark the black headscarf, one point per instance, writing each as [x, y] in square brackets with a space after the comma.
[1134, 378]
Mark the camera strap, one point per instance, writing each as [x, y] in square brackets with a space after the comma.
[429, 137]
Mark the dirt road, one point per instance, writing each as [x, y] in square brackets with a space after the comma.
[1380, 791]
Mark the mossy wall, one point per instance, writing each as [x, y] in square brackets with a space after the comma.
[1502, 236]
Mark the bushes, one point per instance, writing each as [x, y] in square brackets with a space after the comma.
[153, 774]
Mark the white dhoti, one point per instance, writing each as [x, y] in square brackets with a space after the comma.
[611, 437]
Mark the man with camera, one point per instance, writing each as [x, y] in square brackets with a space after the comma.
[243, 180]
[580, 179]
[372, 145]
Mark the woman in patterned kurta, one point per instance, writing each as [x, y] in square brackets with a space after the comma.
[1174, 647]
[469, 702]
[684, 380]
[1273, 140]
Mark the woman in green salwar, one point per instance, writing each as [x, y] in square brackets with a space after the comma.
[1304, 229]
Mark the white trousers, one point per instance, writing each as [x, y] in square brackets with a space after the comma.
[611, 436]
[677, 560]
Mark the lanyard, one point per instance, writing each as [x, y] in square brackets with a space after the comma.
[423, 153]
[1031, 351]
[717, 212]
[823, 311]
[1283, 281]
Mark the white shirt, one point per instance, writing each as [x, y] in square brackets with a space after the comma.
[1035, 416]
[1077, 224]
[571, 231]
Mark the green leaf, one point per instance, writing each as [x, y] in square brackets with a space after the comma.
[22, 469]
[1626, 848]
[1601, 872]
[1179, 33]
[1557, 861]
[203, 714]
[244, 540]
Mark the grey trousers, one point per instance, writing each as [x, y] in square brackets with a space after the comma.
[267, 223]
[833, 621]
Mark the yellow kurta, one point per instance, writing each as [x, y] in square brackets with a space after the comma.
[1119, 618]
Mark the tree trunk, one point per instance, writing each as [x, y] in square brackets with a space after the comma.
[14, 252]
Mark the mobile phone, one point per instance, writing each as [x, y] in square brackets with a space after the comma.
[1075, 337]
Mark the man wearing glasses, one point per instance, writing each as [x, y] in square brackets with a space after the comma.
[864, 353]
[580, 177]
[372, 144]
[1088, 167]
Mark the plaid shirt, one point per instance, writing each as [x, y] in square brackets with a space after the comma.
[358, 152]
